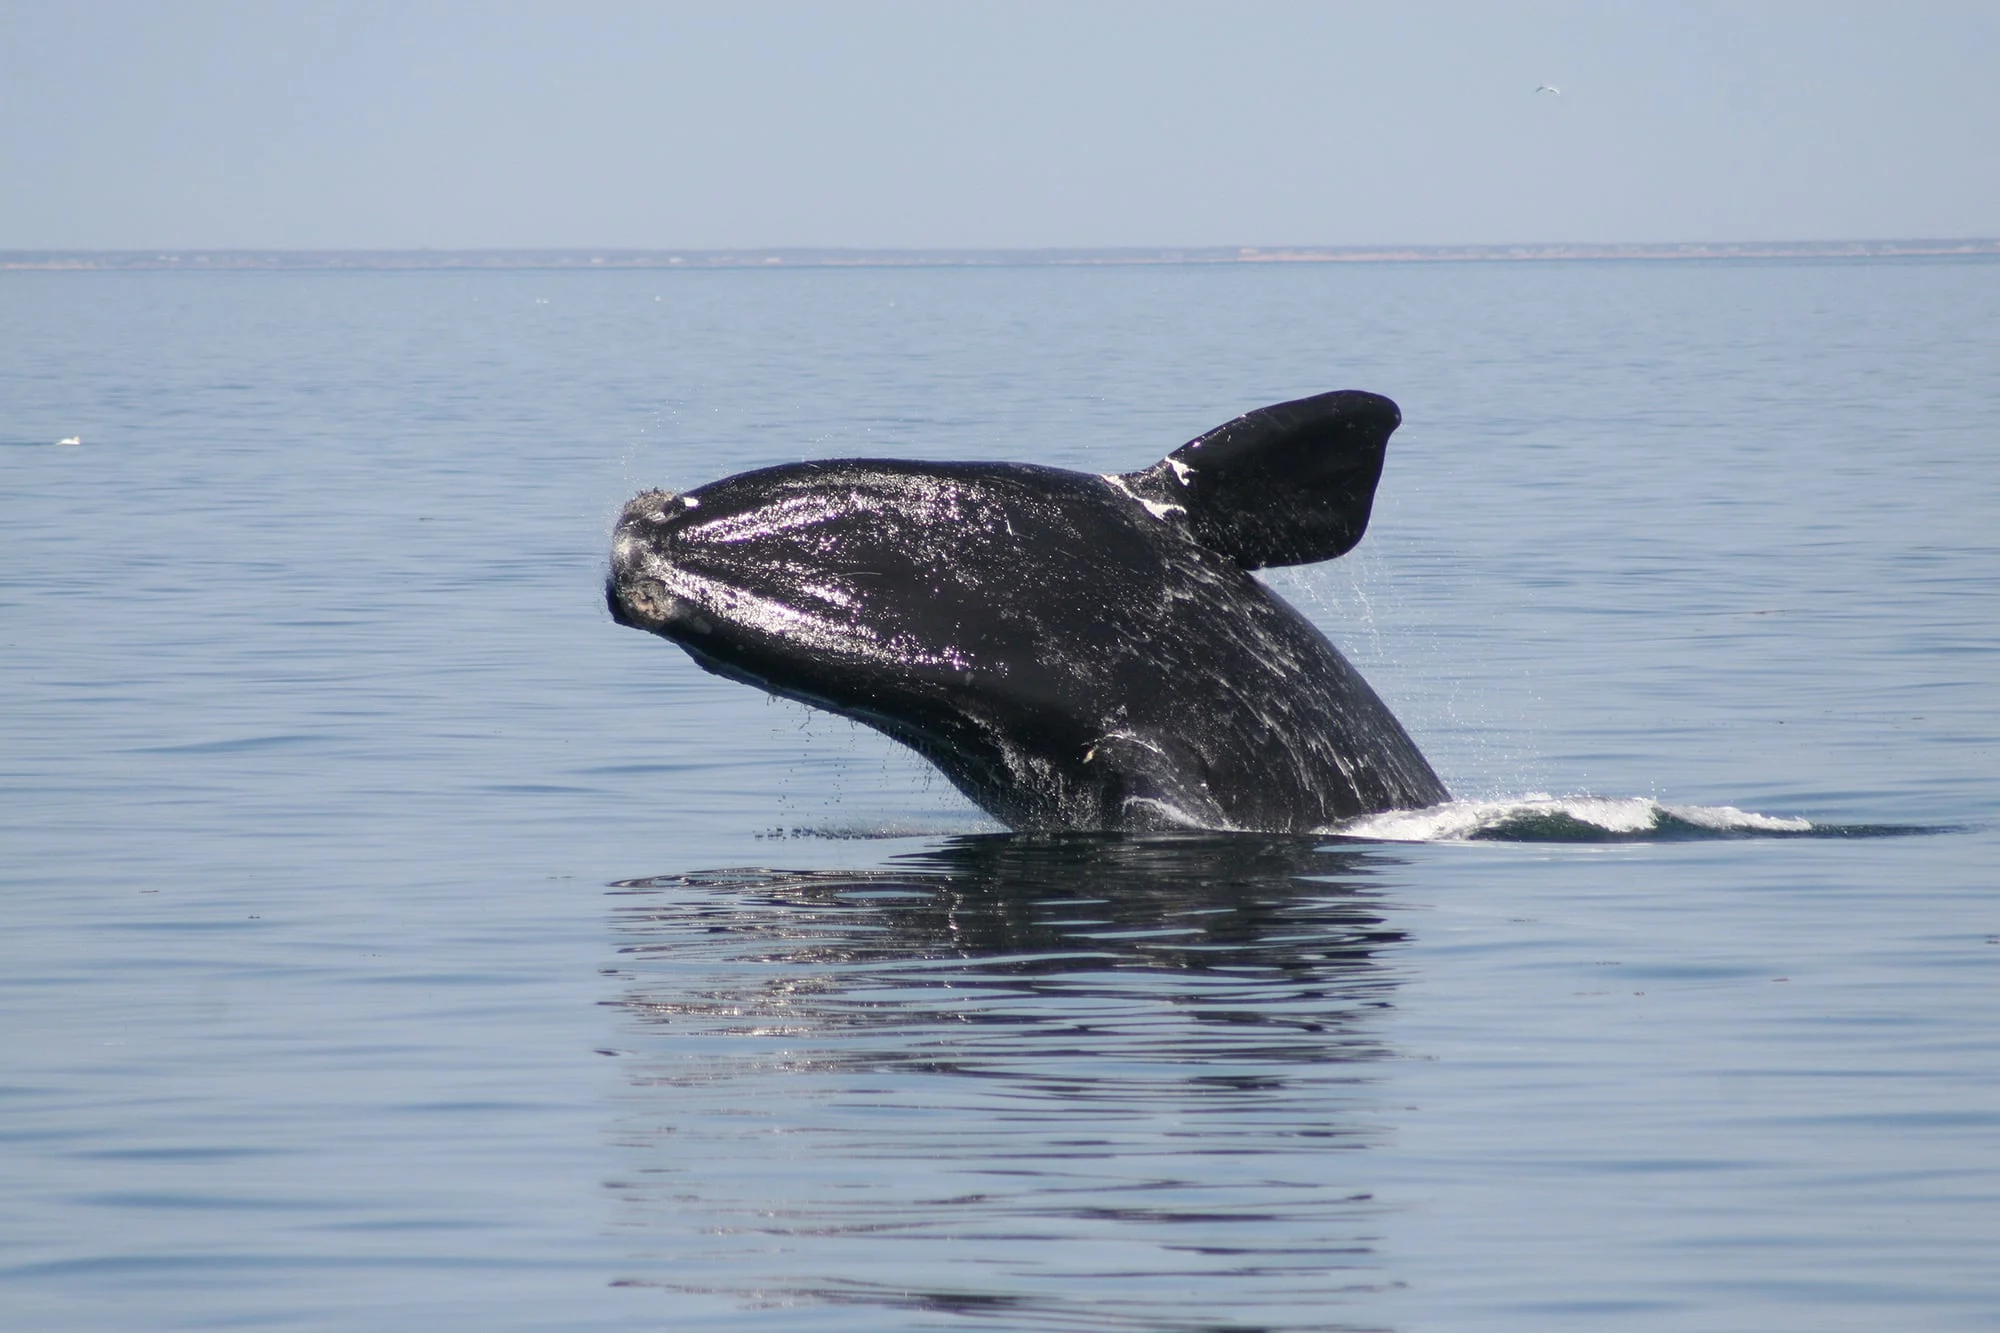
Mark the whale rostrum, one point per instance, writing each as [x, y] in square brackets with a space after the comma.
[1072, 651]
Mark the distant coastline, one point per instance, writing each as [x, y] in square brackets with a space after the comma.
[792, 257]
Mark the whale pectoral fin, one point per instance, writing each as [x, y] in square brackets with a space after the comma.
[1284, 485]
[1146, 784]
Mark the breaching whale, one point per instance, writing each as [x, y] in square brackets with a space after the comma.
[1073, 651]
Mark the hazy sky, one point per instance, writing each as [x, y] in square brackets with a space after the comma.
[325, 124]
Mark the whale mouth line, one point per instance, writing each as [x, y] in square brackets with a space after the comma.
[924, 740]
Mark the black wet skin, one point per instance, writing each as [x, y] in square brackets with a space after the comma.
[1072, 651]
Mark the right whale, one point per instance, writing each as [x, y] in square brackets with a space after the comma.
[1072, 651]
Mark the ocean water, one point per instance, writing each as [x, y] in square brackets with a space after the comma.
[387, 940]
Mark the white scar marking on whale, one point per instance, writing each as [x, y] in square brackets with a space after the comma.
[1153, 507]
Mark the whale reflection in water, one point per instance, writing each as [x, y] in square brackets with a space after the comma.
[1047, 1078]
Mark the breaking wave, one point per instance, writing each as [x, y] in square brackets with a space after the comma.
[1535, 817]
[1539, 817]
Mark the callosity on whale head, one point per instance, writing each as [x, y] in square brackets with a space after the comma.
[1073, 651]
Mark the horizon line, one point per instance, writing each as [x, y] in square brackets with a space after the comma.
[633, 257]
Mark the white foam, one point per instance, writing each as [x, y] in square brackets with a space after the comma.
[1613, 816]
[1729, 817]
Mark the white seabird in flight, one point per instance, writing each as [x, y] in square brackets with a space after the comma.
[1548, 88]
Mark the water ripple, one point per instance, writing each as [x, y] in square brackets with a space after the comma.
[1060, 1082]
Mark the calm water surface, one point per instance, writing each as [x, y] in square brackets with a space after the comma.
[389, 941]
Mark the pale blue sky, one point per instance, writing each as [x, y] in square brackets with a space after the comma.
[323, 125]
